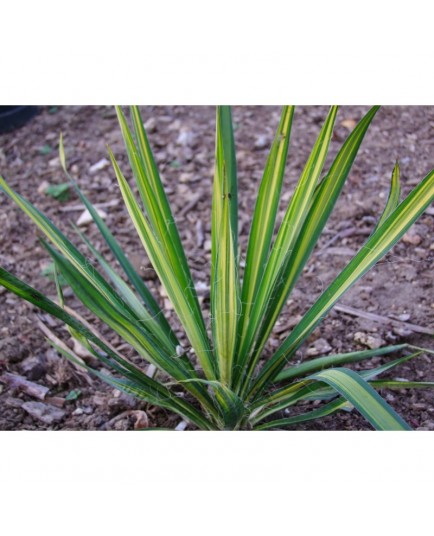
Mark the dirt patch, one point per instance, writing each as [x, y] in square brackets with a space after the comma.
[401, 286]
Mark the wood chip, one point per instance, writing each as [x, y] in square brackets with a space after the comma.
[25, 386]
[43, 412]
[85, 217]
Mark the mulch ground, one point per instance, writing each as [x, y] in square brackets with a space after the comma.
[400, 288]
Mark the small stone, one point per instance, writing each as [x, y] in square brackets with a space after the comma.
[98, 400]
[202, 289]
[181, 426]
[412, 238]
[402, 331]
[151, 125]
[54, 162]
[43, 412]
[186, 138]
[371, 341]
[85, 217]
[186, 177]
[43, 186]
[98, 166]
[349, 124]
[261, 142]
[319, 347]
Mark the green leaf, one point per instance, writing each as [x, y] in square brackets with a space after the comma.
[321, 363]
[128, 295]
[306, 390]
[179, 294]
[400, 384]
[159, 236]
[114, 246]
[49, 271]
[69, 251]
[231, 406]
[73, 395]
[363, 397]
[324, 200]
[58, 191]
[323, 411]
[287, 235]
[154, 392]
[151, 392]
[394, 196]
[264, 217]
[144, 342]
[381, 241]
[45, 149]
[224, 271]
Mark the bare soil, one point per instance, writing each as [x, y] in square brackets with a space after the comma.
[398, 288]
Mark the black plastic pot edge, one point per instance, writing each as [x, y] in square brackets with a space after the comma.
[12, 117]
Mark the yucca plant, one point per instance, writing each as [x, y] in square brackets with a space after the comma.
[228, 379]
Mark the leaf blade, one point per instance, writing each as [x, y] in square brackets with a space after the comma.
[224, 271]
[364, 398]
[376, 247]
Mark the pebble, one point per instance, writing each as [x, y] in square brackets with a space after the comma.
[98, 166]
[186, 177]
[402, 331]
[43, 186]
[349, 124]
[261, 142]
[202, 289]
[319, 347]
[86, 218]
[54, 162]
[43, 412]
[181, 426]
[412, 238]
[186, 138]
[371, 341]
[151, 125]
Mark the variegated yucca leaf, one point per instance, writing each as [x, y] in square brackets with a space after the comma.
[227, 380]
[381, 241]
[324, 200]
[281, 251]
[224, 269]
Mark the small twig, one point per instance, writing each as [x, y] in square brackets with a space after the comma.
[351, 231]
[383, 319]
